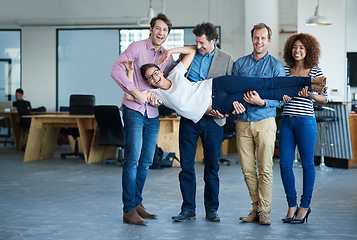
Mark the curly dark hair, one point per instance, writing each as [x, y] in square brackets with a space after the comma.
[311, 45]
[206, 28]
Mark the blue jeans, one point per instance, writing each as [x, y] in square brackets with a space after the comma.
[211, 135]
[300, 131]
[140, 136]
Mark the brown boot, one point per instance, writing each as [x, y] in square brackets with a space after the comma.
[144, 213]
[252, 217]
[132, 217]
[264, 218]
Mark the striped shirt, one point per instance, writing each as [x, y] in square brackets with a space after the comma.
[302, 106]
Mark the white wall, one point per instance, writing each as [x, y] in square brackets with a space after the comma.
[351, 25]
[39, 66]
[351, 34]
[287, 22]
[332, 40]
[266, 12]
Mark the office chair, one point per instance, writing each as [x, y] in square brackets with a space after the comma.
[63, 139]
[165, 111]
[111, 132]
[24, 109]
[7, 137]
[64, 109]
[78, 105]
[229, 132]
[5, 124]
[328, 116]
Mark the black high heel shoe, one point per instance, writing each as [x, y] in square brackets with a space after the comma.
[288, 220]
[297, 221]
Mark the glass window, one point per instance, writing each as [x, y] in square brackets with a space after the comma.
[175, 39]
[128, 36]
[10, 63]
[85, 58]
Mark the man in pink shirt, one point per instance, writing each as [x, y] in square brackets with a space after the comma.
[141, 120]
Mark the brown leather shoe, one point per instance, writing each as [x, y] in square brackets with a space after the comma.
[132, 217]
[252, 217]
[144, 213]
[264, 218]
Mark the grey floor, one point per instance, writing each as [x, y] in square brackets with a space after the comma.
[67, 199]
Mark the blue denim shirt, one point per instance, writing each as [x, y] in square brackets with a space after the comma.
[200, 66]
[266, 67]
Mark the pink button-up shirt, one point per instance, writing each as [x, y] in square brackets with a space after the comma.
[142, 52]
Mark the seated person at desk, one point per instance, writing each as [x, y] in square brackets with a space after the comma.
[193, 100]
[19, 96]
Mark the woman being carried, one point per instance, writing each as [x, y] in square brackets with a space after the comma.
[194, 99]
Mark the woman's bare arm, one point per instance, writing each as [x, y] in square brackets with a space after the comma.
[188, 51]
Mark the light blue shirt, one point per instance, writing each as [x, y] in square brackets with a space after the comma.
[266, 67]
[200, 66]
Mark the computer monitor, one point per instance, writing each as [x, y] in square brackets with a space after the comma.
[352, 68]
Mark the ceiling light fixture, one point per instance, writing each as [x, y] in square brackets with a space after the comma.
[318, 19]
[145, 21]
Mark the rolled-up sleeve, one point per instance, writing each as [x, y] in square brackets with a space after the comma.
[118, 72]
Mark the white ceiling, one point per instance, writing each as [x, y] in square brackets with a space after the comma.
[66, 12]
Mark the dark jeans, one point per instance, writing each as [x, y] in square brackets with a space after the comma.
[211, 135]
[227, 89]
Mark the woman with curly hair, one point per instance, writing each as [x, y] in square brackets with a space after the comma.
[298, 125]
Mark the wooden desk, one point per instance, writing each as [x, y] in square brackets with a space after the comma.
[16, 127]
[50, 113]
[168, 139]
[44, 129]
[352, 163]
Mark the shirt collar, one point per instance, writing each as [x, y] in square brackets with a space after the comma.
[263, 58]
[208, 55]
[150, 46]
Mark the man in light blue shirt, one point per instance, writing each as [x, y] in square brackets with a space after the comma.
[256, 127]
[268, 66]
[200, 66]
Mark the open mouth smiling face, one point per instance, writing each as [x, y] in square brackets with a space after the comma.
[160, 38]
[154, 77]
[159, 33]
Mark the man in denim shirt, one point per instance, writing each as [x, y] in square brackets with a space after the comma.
[209, 62]
[256, 127]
